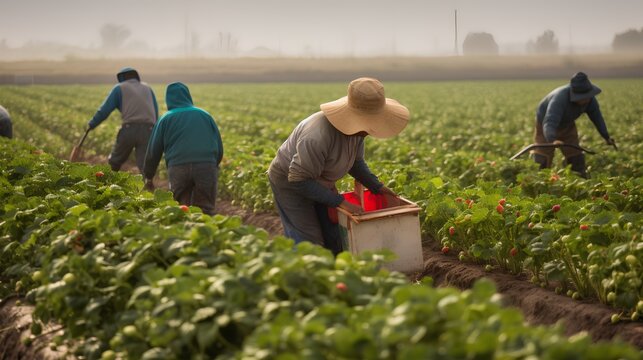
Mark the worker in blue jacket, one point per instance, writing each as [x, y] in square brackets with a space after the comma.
[137, 104]
[556, 121]
[193, 149]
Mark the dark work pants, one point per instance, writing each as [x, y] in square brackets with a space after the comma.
[130, 137]
[6, 128]
[303, 219]
[195, 184]
[330, 230]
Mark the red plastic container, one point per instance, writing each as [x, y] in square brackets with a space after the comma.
[372, 201]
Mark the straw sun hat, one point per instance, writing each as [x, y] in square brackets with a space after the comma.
[366, 109]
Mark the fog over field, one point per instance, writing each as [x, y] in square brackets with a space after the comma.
[325, 28]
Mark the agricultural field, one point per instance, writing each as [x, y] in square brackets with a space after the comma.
[129, 274]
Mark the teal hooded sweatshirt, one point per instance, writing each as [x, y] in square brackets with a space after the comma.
[186, 134]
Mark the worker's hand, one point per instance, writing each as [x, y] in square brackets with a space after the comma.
[149, 185]
[558, 142]
[386, 191]
[611, 141]
[352, 208]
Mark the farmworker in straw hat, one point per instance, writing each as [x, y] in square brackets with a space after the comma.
[193, 149]
[6, 129]
[321, 150]
[137, 103]
[555, 121]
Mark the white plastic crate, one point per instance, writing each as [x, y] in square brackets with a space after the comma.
[388, 223]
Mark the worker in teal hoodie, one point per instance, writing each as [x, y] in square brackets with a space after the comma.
[137, 104]
[193, 149]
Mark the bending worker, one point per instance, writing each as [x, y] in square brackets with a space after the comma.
[556, 121]
[137, 103]
[321, 150]
[191, 142]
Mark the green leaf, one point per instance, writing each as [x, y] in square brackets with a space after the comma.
[77, 210]
[479, 214]
[203, 314]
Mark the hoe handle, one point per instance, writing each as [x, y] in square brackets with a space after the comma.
[538, 146]
[82, 140]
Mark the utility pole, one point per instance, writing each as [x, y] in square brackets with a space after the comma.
[456, 33]
[186, 39]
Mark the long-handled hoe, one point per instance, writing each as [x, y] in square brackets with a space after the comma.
[75, 152]
[536, 146]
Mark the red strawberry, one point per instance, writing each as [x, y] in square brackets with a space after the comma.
[584, 227]
[451, 230]
[184, 208]
[513, 252]
[341, 287]
[502, 201]
[555, 208]
[99, 174]
[500, 209]
[445, 249]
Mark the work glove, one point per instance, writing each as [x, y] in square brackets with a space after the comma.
[149, 185]
[611, 141]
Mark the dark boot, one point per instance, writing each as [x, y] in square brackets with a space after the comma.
[578, 164]
[541, 160]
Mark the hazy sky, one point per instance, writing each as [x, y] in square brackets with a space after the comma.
[403, 27]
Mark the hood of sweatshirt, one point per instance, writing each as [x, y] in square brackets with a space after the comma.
[178, 95]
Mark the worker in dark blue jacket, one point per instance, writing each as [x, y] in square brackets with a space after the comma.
[556, 121]
[137, 103]
[191, 142]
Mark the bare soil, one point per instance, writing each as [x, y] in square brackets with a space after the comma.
[539, 306]
[15, 323]
[223, 70]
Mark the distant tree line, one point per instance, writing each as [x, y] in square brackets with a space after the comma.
[544, 44]
[628, 41]
[482, 43]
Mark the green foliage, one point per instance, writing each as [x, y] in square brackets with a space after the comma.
[133, 254]
[131, 275]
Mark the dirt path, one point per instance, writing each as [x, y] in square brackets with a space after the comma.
[540, 306]
[15, 322]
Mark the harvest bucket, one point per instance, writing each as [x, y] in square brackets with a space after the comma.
[387, 223]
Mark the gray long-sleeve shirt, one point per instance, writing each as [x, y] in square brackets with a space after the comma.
[134, 99]
[316, 155]
[557, 111]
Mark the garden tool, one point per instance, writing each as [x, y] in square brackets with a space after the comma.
[536, 146]
[75, 152]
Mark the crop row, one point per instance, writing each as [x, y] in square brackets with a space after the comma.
[456, 146]
[134, 275]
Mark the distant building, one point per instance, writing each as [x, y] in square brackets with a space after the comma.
[479, 44]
